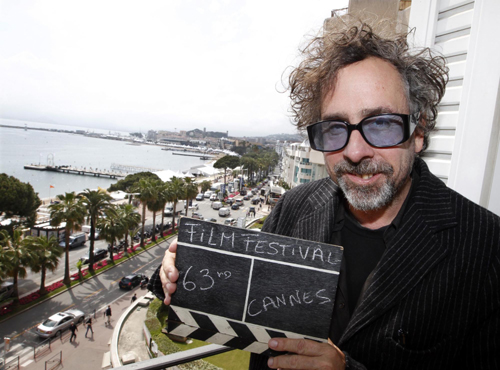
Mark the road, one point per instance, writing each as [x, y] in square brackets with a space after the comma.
[94, 294]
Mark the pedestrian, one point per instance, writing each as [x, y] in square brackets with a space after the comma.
[108, 314]
[134, 297]
[73, 328]
[89, 327]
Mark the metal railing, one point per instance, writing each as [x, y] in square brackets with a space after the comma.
[178, 358]
[11, 364]
[54, 362]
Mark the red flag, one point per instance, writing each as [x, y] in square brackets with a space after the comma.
[51, 187]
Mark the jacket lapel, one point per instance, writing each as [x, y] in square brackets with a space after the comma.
[316, 222]
[411, 253]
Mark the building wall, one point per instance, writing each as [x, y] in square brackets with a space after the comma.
[464, 149]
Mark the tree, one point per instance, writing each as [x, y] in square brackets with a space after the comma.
[96, 202]
[112, 229]
[130, 220]
[174, 194]
[190, 189]
[144, 192]
[18, 255]
[163, 199]
[70, 210]
[47, 252]
[205, 185]
[18, 199]
[226, 162]
[155, 202]
[131, 181]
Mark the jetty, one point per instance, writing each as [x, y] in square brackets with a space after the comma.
[194, 154]
[76, 171]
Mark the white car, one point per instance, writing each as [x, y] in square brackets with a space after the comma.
[59, 322]
[213, 197]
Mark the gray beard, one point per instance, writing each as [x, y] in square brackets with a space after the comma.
[371, 197]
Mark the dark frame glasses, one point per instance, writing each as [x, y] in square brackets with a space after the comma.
[380, 131]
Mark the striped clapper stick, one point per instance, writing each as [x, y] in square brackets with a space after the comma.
[239, 287]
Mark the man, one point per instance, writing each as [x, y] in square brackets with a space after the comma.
[134, 297]
[107, 313]
[419, 284]
[73, 328]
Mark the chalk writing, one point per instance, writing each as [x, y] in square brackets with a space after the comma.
[208, 282]
[256, 307]
[259, 244]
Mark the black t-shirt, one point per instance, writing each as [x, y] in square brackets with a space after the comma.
[363, 249]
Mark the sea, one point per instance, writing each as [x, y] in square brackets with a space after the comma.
[20, 147]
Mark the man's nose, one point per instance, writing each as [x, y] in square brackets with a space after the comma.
[357, 148]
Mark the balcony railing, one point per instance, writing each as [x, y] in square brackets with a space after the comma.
[178, 358]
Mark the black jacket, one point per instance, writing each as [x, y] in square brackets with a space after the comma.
[434, 298]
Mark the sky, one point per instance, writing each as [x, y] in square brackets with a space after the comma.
[154, 65]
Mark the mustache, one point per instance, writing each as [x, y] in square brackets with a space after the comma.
[365, 167]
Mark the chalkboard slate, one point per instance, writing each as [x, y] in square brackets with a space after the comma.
[241, 287]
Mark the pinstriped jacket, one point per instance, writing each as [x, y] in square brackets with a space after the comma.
[433, 301]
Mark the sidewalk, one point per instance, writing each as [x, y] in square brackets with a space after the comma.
[88, 353]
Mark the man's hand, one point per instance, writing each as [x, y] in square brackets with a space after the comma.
[168, 272]
[305, 354]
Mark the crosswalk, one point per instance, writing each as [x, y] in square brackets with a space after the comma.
[20, 353]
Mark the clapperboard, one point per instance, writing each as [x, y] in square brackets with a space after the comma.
[240, 288]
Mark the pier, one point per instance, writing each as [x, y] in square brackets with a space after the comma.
[193, 154]
[76, 171]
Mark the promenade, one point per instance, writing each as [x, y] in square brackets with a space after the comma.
[93, 352]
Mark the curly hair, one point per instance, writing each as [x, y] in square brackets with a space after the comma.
[423, 72]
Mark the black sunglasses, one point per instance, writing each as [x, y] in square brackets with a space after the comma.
[380, 131]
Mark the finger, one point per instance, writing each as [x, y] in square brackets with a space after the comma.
[298, 346]
[173, 246]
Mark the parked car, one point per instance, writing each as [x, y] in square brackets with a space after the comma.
[6, 290]
[56, 324]
[216, 205]
[199, 196]
[212, 219]
[130, 281]
[207, 194]
[225, 211]
[75, 240]
[255, 201]
[99, 254]
[230, 221]
[198, 216]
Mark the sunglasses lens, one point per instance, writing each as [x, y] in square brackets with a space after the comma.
[384, 131]
[328, 135]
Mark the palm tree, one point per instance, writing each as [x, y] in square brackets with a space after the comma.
[130, 220]
[4, 261]
[144, 192]
[18, 255]
[163, 199]
[175, 193]
[96, 202]
[190, 191]
[112, 229]
[155, 203]
[47, 252]
[69, 209]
